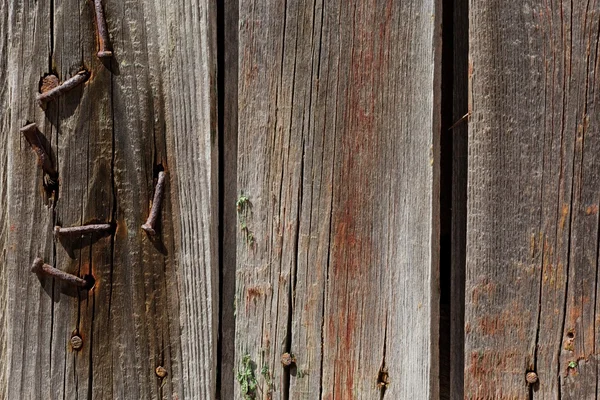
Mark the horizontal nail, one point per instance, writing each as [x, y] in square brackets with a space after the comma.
[61, 89]
[39, 267]
[82, 230]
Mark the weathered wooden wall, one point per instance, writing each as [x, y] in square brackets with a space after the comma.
[534, 188]
[153, 107]
[338, 157]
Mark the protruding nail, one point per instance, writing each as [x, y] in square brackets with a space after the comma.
[161, 372]
[69, 84]
[32, 135]
[39, 267]
[103, 39]
[287, 359]
[531, 378]
[82, 230]
[76, 342]
[150, 225]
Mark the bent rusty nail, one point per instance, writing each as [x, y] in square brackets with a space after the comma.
[61, 89]
[103, 38]
[150, 225]
[32, 135]
[39, 267]
[81, 230]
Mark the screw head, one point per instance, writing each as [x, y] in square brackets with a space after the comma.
[531, 378]
[76, 342]
[161, 372]
[287, 359]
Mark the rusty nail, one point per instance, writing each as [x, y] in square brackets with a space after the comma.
[32, 135]
[150, 224]
[61, 89]
[81, 230]
[76, 342]
[531, 378]
[161, 372]
[287, 359]
[39, 267]
[103, 39]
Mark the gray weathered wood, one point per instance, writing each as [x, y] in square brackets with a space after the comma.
[338, 156]
[534, 185]
[152, 107]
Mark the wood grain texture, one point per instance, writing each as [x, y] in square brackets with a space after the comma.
[532, 239]
[152, 107]
[338, 156]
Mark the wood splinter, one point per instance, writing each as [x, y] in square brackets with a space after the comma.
[40, 268]
[69, 84]
[150, 225]
[32, 135]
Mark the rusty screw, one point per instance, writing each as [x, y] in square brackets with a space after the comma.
[39, 267]
[287, 359]
[69, 84]
[76, 342]
[150, 225]
[531, 378]
[32, 135]
[161, 372]
[81, 230]
[103, 39]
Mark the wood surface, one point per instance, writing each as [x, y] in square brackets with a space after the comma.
[533, 192]
[338, 156]
[152, 107]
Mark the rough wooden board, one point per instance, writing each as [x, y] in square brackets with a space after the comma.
[155, 303]
[532, 240]
[338, 125]
[229, 77]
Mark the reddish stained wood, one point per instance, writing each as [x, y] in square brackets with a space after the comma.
[534, 150]
[338, 153]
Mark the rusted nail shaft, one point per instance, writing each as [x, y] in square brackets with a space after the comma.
[32, 135]
[39, 267]
[150, 225]
[103, 39]
[63, 88]
[81, 230]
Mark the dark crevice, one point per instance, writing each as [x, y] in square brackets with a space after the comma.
[445, 206]
[383, 379]
[221, 200]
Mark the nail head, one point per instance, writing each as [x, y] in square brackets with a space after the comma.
[161, 372]
[76, 342]
[531, 378]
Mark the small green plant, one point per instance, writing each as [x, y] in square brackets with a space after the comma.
[302, 373]
[267, 375]
[246, 379]
[243, 206]
[572, 364]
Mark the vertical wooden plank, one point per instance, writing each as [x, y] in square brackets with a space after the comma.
[27, 212]
[532, 245]
[338, 160]
[152, 107]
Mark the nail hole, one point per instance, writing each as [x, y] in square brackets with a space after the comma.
[90, 282]
[570, 335]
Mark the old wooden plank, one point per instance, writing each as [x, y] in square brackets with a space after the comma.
[152, 107]
[27, 214]
[533, 191]
[338, 238]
